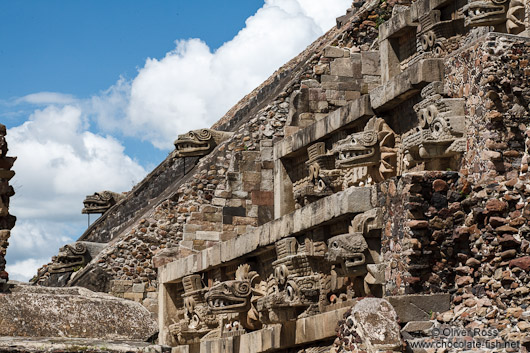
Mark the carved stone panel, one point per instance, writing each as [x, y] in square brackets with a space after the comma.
[439, 138]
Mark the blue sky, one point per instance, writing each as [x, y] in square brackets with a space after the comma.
[94, 92]
[83, 47]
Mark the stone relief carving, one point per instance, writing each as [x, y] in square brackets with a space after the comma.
[307, 275]
[234, 302]
[197, 320]
[506, 15]
[369, 156]
[298, 286]
[199, 142]
[67, 263]
[440, 134]
[352, 256]
[69, 258]
[436, 35]
[101, 201]
[359, 159]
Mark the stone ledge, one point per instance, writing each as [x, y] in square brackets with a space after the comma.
[350, 201]
[336, 120]
[406, 84]
[418, 307]
[399, 23]
[278, 336]
[45, 344]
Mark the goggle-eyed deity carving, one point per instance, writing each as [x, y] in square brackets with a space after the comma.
[434, 34]
[199, 142]
[440, 134]
[298, 287]
[197, 320]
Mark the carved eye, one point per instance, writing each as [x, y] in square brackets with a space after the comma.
[290, 293]
[354, 140]
[335, 245]
[191, 134]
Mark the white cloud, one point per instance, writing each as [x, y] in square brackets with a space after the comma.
[47, 98]
[24, 270]
[59, 163]
[32, 243]
[192, 87]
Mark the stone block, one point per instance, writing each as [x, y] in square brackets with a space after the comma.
[418, 307]
[267, 153]
[73, 312]
[423, 327]
[335, 52]
[352, 95]
[217, 201]
[406, 84]
[208, 235]
[396, 25]
[138, 288]
[238, 221]
[342, 67]
[230, 212]
[263, 340]
[213, 217]
[260, 198]
[371, 63]
[137, 297]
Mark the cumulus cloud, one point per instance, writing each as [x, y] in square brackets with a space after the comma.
[192, 87]
[33, 242]
[47, 98]
[59, 162]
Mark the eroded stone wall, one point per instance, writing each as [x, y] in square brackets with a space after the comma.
[7, 221]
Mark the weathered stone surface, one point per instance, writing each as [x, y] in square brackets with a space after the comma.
[41, 344]
[419, 307]
[370, 326]
[72, 312]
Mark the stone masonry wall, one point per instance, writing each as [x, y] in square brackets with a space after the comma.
[467, 233]
[7, 221]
